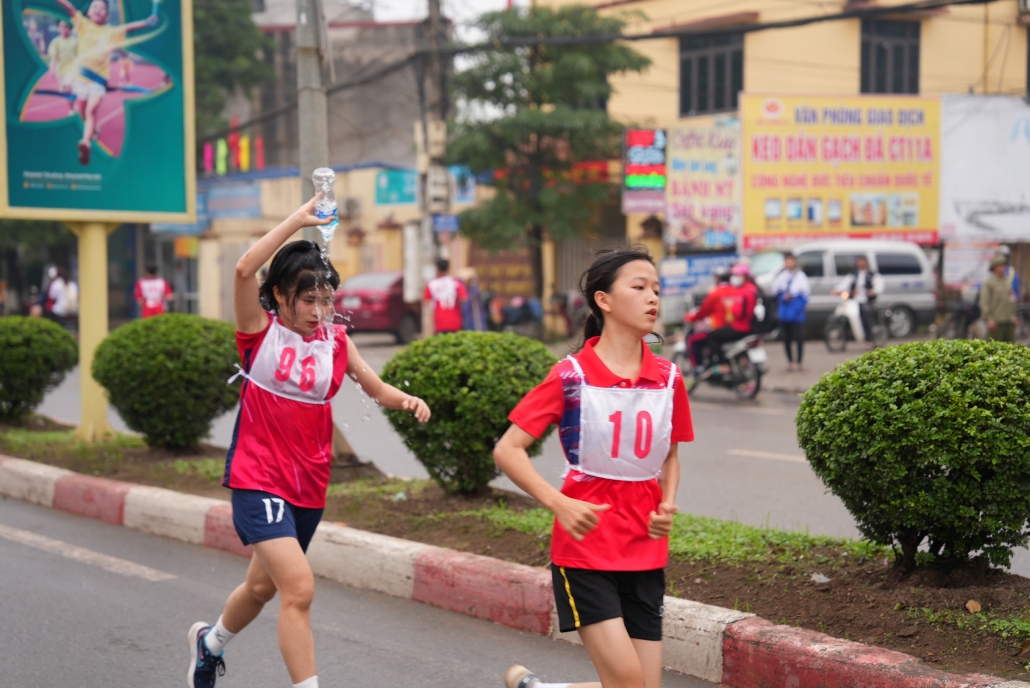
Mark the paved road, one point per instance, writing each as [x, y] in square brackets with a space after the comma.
[745, 463]
[75, 622]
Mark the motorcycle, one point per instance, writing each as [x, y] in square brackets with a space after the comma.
[747, 362]
[846, 323]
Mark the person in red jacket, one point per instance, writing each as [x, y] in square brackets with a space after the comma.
[740, 315]
[718, 307]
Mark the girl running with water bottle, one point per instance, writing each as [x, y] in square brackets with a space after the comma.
[621, 412]
[294, 360]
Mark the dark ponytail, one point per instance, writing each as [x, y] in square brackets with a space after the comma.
[600, 276]
[296, 268]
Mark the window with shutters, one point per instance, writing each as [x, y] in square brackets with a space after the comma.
[711, 73]
[890, 56]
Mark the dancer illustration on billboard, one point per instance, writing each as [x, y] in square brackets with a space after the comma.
[97, 43]
[80, 73]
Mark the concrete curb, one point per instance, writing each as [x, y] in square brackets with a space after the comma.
[719, 645]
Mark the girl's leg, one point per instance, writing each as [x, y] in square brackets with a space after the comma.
[788, 335]
[616, 656]
[247, 601]
[288, 568]
[800, 334]
[650, 654]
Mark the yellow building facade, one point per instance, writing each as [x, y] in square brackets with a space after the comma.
[960, 49]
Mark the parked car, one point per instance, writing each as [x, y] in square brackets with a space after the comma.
[909, 282]
[374, 302]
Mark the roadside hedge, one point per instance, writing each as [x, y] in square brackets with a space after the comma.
[928, 445]
[35, 355]
[167, 375]
[471, 381]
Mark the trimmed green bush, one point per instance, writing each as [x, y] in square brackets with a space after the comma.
[167, 375]
[471, 381]
[35, 355]
[928, 443]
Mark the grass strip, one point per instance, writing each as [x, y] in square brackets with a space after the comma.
[700, 538]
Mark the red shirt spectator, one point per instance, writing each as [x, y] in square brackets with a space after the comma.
[152, 292]
[445, 293]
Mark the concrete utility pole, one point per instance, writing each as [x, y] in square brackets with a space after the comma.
[312, 118]
[313, 126]
[431, 142]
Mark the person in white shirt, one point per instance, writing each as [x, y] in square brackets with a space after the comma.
[863, 286]
[792, 291]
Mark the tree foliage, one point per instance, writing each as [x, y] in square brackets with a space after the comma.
[531, 116]
[227, 48]
[928, 445]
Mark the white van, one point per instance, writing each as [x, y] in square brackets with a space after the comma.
[909, 282]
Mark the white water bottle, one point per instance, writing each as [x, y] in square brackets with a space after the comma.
[324, 180]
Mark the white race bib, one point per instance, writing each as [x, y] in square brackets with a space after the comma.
[290, 367]
[625, 434]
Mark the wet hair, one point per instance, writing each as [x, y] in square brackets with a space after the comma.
[600, 276]
[151, 270]
[443, 265]
[297, 268]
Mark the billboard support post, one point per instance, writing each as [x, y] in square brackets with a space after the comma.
[93, 425]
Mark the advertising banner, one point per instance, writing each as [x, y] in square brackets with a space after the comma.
[829, 166]
[985, 168]
[967, 263]
[96, 102]
[702, 194]
[643, 171]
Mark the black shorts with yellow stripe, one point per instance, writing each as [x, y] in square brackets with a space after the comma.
[585, 596]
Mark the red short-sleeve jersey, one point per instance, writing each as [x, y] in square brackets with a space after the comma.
[620, 541]
[281, 445]
[446, 293]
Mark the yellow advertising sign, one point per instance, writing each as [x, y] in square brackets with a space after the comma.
[819, 167]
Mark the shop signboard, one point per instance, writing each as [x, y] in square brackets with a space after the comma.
[702, 194]
[817, 167]
[396, 187]
[643, 171]
[96, 108]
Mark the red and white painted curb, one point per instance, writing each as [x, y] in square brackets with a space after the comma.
[728, 647]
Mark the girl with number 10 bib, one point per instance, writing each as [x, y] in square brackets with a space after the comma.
[621, 412]
[294, 360]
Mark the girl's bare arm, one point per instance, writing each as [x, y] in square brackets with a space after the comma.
[250, 316]
[385, 395]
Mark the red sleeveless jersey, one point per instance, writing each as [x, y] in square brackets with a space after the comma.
[282, 442]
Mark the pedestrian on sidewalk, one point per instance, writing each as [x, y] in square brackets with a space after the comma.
[621, 413]
[998, 302]
[792, 291]
[473, 308]
[445, 294]
[294, 359]
[152, 293]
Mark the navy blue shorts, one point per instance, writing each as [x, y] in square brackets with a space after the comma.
[260, 516]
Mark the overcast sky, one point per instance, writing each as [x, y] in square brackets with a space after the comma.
[460, 11]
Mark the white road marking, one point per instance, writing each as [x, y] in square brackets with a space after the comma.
[767, 455]
[704, 406]
[86, 556]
